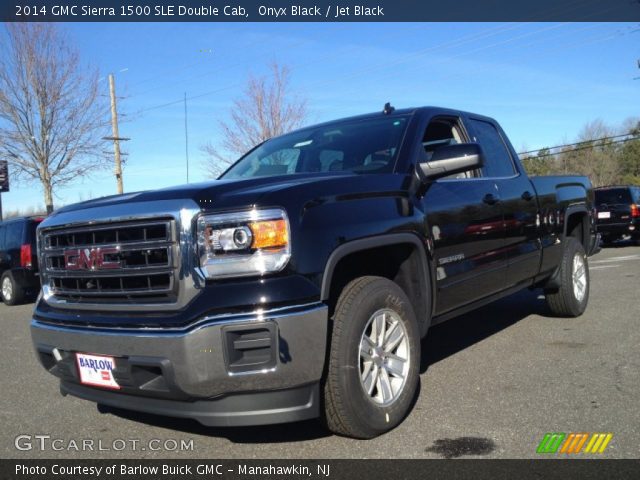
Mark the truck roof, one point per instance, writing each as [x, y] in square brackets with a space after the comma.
[398, 112]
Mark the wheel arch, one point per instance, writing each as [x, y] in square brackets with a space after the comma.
[408, 266]
[577, 224]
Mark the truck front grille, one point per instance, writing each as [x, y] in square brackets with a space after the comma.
[123, 263]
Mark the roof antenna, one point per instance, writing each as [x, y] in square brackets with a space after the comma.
[388, 109]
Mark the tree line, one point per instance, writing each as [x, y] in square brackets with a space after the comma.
[608, 155]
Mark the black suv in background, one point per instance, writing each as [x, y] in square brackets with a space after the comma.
[618, 212]
[18, 260]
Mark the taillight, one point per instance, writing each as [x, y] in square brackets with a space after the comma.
[25, 256]
[635, 210]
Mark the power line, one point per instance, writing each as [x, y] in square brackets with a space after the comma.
[457, 42]
[405, 58]
[261, 41]
[384, 66]
[295, 44]
[599, 38]
[578, 143]
[454, 43]
[288, 46]
[555, 48]
[583, 147]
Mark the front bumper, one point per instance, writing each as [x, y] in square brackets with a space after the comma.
[243, 369]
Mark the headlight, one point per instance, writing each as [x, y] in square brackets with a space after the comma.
[246, 243]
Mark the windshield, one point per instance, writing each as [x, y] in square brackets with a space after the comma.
[362, 146]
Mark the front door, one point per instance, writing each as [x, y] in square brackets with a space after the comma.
[465, 219]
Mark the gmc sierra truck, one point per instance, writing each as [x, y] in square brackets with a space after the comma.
[300, 283]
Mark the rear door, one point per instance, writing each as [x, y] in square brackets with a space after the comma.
[4, 255]
[517, 197]
[13, 238]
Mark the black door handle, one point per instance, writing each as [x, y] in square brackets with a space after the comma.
[490, 199]
[527, 195]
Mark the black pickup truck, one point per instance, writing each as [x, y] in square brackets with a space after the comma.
[300, 283]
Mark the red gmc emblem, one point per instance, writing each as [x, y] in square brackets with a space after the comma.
[90, 258]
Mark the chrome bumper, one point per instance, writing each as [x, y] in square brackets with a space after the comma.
[217, 357]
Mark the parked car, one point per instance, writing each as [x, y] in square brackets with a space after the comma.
[618, 212]
[311, 269]
[18, 260]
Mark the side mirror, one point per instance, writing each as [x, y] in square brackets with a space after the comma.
[451, 159]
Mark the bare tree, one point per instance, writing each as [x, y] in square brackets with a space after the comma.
[51, 116]
[595, 155]
[266, 109]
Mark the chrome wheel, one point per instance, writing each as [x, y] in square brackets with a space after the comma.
[579, 275]
[384, 357]
[7, 289]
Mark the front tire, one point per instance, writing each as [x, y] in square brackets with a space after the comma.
[570, 300]
[374, 359]
[12, 294]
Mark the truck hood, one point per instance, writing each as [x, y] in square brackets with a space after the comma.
[225, 194]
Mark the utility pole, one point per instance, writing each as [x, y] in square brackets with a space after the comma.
[186, 136]
[4, 181]
[115, 135]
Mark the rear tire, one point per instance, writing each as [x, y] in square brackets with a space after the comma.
[12, 294]
[570, 300]
[374, 359]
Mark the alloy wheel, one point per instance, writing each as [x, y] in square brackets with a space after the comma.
[7, 289]
[579, 275]
[384, 357]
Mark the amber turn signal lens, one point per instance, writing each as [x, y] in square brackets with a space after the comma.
[269, 234]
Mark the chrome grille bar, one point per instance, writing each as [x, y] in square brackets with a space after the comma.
[131, 258]
[145, 253]
[103, 235]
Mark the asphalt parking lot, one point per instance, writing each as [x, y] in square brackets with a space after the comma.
[493, 382]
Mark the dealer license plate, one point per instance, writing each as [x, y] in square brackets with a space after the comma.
[96, 370]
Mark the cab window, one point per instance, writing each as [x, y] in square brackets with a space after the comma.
[442, 132]
[497, 159]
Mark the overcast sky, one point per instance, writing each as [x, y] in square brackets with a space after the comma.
[542, 82]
